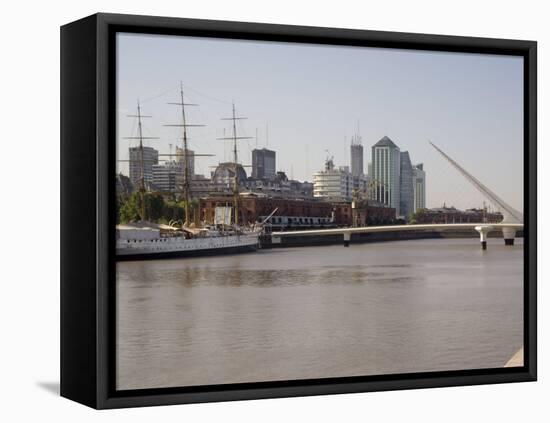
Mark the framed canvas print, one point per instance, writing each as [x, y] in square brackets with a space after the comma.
[256, 211]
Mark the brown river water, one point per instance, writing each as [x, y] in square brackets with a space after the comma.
[316, 312]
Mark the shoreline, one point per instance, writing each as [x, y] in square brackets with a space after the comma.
[361, 238]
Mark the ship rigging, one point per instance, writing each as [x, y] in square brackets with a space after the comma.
[152, 240]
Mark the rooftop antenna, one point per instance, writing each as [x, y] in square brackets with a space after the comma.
[356, 139]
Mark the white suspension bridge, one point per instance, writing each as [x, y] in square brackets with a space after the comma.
[512, 219]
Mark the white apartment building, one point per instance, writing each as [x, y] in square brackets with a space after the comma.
[333, 184]
[150, 158]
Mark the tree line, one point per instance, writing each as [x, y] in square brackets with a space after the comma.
[158, 209]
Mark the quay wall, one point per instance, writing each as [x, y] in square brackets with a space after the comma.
[316, 240]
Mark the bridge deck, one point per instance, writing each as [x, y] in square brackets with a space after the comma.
[398, 228]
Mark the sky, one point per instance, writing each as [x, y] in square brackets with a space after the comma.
[306, 101]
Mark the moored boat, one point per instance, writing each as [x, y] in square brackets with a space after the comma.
[152, 241]
[148, 240]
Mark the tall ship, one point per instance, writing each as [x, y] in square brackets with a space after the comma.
[226, 235]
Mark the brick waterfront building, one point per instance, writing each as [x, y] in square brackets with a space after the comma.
[365, 213]
[297, 213]
[253, 207]
[452, 215]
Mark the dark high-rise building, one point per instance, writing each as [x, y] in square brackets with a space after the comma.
[406, 188]
[357, 168]
[263, 164]
[150, 158]
[181, 157]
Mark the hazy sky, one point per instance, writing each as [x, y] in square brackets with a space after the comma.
[310, 98]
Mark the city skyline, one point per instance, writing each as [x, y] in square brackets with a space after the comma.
[301, 130]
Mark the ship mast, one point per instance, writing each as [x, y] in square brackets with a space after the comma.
[140, 137]
[186, 175]
[234, 138]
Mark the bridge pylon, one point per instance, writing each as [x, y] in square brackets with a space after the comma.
[483, 232]
[509, 214]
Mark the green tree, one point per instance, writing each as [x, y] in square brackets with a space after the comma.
[129, 209]
[157, 209]
[154, 207]
[173, 210]
[177, 211]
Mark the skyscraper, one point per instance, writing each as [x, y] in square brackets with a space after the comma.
[356, 150]
[419, 186]
[406, 189]
[181, 157]
[263, 164]
[385, 172]
[150, 158]
[167, 176]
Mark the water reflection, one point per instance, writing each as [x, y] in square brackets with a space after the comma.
[318, 312]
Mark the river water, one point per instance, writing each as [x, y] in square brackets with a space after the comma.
[315, 312]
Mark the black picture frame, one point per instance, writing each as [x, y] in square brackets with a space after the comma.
[87, 238]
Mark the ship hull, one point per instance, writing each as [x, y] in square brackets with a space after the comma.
[174, 248]
[181, 254]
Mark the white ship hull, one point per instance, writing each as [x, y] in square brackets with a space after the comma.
[128, 249]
